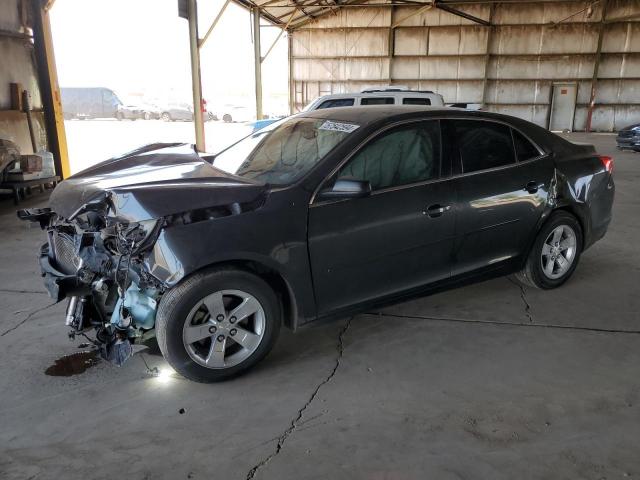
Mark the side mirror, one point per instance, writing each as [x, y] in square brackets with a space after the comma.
[345, 188]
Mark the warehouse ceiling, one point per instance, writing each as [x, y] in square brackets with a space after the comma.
[296, 13]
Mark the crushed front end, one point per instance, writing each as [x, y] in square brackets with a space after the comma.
[97, 262]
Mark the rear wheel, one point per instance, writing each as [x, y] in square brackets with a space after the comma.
[165, 116]
[217, 324]
[555, 253]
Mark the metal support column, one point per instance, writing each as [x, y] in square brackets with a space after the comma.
[292, 84]
[596, 65]
[49, 89]
[487, 57]
[257, 58]
[196, 83]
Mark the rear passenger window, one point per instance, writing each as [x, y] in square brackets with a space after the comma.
[337, 102]
[376, 101]
[483, 145]
[401, 156]
[525, 150]
[416, 101]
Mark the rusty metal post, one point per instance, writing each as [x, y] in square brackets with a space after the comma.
[596, 66]
[487, 57]
[257, 58]
[196, 82]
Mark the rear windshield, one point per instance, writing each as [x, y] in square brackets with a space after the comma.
[284, 151]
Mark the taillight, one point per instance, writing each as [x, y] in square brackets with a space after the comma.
[607, 162]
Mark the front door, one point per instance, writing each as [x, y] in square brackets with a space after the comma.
[399, 237]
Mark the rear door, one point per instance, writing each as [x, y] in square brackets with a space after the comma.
[397, 238]
[502, 182]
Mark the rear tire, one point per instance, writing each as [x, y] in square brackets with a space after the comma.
[555, 252]
[199, 335]
[166, 117]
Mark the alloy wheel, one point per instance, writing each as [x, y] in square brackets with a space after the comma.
[558, 252]
[224, 329]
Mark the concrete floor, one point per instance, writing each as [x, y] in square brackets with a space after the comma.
[488, 381]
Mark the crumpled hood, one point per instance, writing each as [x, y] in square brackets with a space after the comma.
[152, 182]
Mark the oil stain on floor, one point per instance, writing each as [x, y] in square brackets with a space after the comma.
[73, 364]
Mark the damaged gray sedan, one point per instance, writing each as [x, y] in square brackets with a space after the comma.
[319, 215]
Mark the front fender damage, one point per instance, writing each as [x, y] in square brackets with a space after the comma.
[114, 264]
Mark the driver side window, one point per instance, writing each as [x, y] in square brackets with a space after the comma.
[400, 156]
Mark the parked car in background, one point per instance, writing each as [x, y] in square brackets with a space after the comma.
[236, 113]
[150, 111]
[629, 138]
[83, 103]
[322, 214]
[130, 112]
[177, 111]
[378, 96]
[181, 111]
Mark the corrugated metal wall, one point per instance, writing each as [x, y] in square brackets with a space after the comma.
[518, 59]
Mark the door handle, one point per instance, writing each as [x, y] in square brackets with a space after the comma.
[532, 187]
[436, 210]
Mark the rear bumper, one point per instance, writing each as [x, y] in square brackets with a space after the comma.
[600, 213]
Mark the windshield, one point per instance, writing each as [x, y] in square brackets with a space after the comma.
[284, 151]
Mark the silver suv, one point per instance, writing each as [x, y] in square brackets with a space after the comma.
[378, 96]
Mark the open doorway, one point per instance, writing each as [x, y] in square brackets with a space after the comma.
[124, 73]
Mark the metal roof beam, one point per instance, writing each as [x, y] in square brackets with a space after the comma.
[213, 24]
[462, 14]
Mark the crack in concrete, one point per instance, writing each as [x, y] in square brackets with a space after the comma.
[8, 290]
[510, 324]
[523, 296]
[297, 420]
[17, 325]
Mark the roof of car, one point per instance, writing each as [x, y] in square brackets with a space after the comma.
[382, 93]
[373, 113]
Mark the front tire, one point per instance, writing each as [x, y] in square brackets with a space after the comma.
[555, 252]
[217, 324]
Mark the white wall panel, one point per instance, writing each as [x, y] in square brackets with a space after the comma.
[523, 91]
[411, 41]
[438, 51]
[541, 67]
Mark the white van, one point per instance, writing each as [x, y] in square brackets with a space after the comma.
[378, 96]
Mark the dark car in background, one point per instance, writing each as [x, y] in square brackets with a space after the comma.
[89, 102]
[323, 214]
[629, 138]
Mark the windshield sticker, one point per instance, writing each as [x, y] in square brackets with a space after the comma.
[339, 127]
